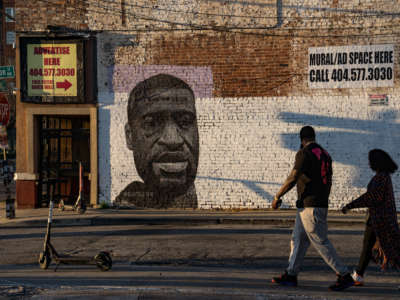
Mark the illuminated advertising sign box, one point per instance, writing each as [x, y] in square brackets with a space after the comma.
[53, 70]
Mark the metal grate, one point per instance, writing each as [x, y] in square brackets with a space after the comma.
[64, 141]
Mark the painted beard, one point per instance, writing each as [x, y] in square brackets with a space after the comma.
[170, 173]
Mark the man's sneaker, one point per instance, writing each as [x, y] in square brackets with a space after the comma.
[342, 282]
[358, 279]
[285, 279]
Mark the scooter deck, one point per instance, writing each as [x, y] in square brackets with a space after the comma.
[75, 260]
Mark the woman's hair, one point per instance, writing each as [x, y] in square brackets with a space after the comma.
[380, 161]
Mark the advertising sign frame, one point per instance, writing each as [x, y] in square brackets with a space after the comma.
[49, 97]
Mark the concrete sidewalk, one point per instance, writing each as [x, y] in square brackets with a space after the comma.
[177, 254]
[112, 217]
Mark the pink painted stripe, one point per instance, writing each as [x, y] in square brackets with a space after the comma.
[123, 78]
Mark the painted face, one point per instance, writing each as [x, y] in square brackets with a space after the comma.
[164, 139]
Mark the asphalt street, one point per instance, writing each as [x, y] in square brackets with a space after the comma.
[179, 261]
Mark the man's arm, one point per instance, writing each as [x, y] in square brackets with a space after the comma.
[289, 183]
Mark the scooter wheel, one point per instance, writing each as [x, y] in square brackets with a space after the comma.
[44, 260]
[103, 261]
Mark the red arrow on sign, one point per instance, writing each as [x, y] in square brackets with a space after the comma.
[64, 85]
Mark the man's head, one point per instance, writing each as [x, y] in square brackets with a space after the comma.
[307, 134]
[162, 133]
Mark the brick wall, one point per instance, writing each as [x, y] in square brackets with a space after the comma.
[247, 146]
[36, 15]
[247, 63]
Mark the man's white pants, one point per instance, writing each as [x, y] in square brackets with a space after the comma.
[311, 228]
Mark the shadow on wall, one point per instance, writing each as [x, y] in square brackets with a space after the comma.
[110, 43]
[349, 140]
[252, 185]
[104, 155]
[106, 64]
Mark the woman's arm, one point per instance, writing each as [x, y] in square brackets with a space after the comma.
[374, 196]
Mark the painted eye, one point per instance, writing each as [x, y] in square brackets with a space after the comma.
[151, 124]
[185, 120]
[149, 121]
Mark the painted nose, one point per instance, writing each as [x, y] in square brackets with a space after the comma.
[171, 137]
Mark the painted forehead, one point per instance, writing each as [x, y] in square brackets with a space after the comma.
[155, 94]
[163, 98]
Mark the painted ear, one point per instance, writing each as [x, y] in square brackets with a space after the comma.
[129, 136]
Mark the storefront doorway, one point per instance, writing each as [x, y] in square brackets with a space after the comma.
[64, 142]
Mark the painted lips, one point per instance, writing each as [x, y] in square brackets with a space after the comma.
[170, 168]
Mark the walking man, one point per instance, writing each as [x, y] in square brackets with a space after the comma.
[312, 173]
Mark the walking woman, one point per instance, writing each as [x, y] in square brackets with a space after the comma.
[382, 234]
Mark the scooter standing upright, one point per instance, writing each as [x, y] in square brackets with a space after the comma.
[102, 260]
[80, 205]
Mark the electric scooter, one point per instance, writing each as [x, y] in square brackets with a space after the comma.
[102, 260]
[79, 205]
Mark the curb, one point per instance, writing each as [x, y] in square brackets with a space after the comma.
[173, 294]
[179, 221]
[193, 294]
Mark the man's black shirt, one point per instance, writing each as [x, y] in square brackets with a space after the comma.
[314, 184]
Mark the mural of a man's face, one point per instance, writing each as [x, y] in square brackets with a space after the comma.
[162, 132]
